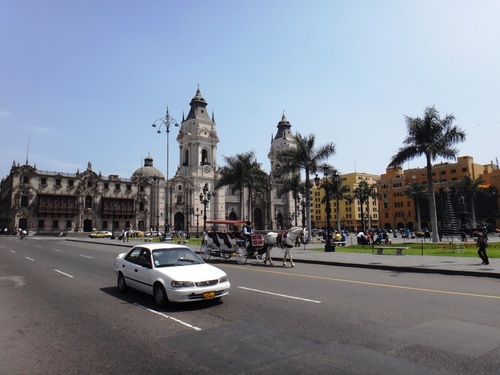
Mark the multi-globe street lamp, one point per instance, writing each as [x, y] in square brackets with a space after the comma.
[197, 214]
[166, 122]
[205, 196]
[326, 185]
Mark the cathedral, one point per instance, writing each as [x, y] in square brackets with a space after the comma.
[55, 202]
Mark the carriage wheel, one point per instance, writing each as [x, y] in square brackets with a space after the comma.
[205, 251]
[241, 255]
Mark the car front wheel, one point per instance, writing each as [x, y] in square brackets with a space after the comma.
[160, 295]
[122, 285]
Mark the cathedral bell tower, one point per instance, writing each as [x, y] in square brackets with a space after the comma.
[283, 207]
[197, 141]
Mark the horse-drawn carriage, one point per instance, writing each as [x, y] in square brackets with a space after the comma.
[226, 244]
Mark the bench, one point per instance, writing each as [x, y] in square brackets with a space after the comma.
[399, 249]
[340, 243]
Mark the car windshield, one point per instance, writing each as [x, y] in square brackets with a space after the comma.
[175, 257]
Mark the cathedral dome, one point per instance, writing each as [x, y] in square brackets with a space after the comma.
[148, 170]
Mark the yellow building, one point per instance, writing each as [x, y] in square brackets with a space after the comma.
[349, 214]
[397, 210]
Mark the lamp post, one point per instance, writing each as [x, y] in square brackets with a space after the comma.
[197, 214]
[336, 181]
[166, 122]
[205, 196]
[329, 246]
[304, 204]
[158, 215]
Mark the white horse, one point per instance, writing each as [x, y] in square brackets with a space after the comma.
[284, 240]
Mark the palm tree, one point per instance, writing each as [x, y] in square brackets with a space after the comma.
[306, 157]
[339, 192]
[362, 194]
[371, 192]
[471, 188]
[243, 171]
[416, 191]
[294, 185]
[432, 137]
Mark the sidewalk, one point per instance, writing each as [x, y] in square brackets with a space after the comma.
[400, 263]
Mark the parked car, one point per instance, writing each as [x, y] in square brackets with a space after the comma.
[101, 234]
[170, 273]
[136, 233]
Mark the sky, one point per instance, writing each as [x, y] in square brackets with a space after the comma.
[82, 81]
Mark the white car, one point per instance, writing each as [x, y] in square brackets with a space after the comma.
[170, 273]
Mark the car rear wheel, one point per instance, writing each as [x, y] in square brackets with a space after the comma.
[122, 285]
[160, 295]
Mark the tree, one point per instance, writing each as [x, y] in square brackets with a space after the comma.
[471, 188]
[243, 171]
[339, 192]
[362, 193]
[294, 185]
[304, 156]
[416, 191]
[432, 137]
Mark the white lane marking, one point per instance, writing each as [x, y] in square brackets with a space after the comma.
[64, 273]
[57, 250]
[30, 259]
[86, 256]
[38, 245]
[279, 295]
[12, 251]
[168, 317]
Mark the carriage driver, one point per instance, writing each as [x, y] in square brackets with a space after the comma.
[247, 231]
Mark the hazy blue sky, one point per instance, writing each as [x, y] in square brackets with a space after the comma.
[84, 80]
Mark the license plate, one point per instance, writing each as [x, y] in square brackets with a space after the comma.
[209, 295]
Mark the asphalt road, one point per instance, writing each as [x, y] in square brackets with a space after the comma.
[61, 313]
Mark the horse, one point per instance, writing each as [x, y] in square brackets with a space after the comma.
[285, 240]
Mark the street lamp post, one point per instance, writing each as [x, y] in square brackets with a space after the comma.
[205, 196]
[158, 215]
[197, 214]
[329, 246]
[304, 204]
[166, 122]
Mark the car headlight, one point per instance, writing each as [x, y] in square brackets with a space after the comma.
[223, 279]
[182, 284]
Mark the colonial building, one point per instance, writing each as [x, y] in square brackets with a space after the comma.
[349, 215]
[397, 210]
[53, 202]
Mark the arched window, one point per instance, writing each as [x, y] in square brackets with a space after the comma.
[104, 224]
[186, 158]
[88, 201]
[141, 206]
[55, 224]
[24, 201]
[40, 224]
[69, 224]
[204, 157]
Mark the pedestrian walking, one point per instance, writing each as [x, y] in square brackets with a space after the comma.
[482, 242]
